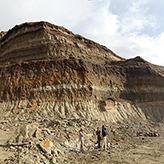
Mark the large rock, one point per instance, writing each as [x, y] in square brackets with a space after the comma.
[46, 146]
[28, 131]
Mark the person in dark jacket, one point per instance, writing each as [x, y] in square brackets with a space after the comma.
[103, 137]
[98, 134]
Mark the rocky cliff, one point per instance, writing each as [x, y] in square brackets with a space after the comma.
[47, 69]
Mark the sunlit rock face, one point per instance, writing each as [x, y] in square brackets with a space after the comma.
[47, 68]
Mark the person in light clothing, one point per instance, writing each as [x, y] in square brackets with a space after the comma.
[103, 137]
[81, 137]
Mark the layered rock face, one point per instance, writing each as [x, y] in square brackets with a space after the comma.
[47, 68]
[34, 41]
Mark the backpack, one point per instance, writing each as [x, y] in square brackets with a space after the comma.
[104, 133]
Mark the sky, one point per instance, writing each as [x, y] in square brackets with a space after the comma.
[129, 28]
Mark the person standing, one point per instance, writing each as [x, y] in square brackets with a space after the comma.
[103, 137]
[81, 136]
[98, 134]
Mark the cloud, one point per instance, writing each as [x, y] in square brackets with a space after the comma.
[150, 48]
[135, 19]
[135, 41]
[125, 33]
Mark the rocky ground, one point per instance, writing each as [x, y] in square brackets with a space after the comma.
[55, 140]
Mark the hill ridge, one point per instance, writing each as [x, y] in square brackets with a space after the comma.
[49, 38]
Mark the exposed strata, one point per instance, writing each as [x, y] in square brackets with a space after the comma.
[46, 67]
[42, 40]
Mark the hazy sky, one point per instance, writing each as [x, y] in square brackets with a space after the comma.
[130, 28]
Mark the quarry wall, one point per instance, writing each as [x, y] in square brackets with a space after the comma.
[47, 68]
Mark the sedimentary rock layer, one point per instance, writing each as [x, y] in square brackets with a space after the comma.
[34, 41]
[46, 67]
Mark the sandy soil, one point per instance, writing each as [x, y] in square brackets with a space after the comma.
[4, 137]
[141, 150]
[128, 150]
[138, 150]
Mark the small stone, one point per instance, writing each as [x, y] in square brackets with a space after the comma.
[108, 144]
[12, 147]
[37, 133]
[113, 130]
[64, 124]
[53, 161]
[46, 119]
[56, 151]
[36, 156]
[19, 139]
[21, 119]
[47, 130]
[19, 148]
[29, 160]
[49, 156]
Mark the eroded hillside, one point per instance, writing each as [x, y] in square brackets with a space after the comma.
[52, 83]
[43, 65]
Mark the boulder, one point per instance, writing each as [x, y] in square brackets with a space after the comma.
[28, 131]
[46, 146]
